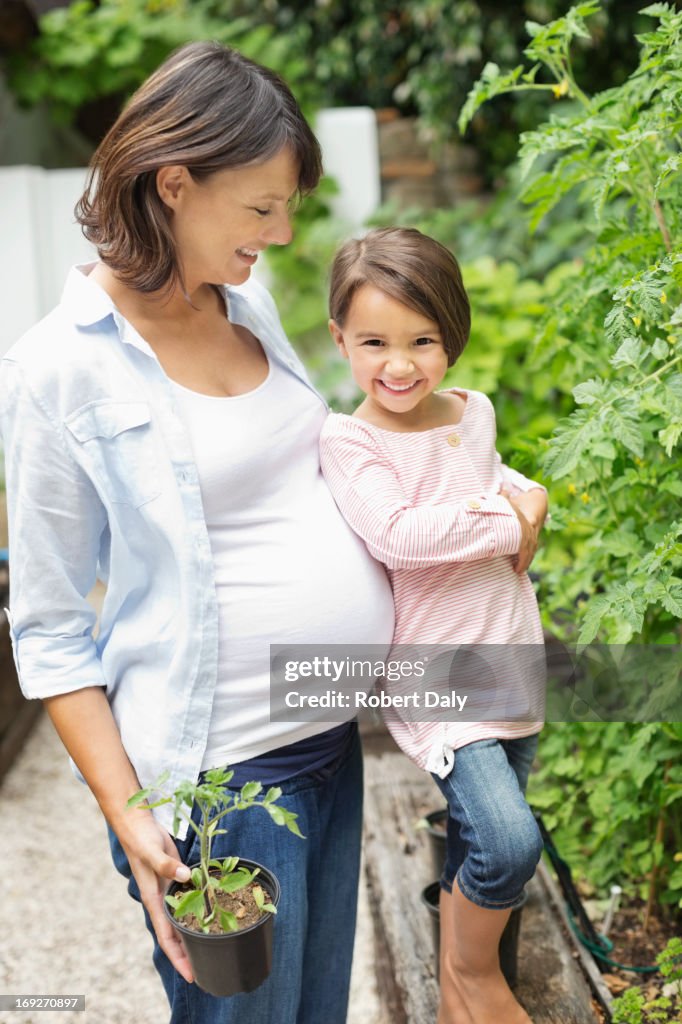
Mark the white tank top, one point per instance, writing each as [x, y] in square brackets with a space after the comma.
[288, 568]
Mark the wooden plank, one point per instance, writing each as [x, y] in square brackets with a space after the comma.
[551, 985]
[12, 739]
[397, 868]
[408, 167]
[17, 715]
[589, 967]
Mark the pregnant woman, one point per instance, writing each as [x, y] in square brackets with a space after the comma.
[161, 434]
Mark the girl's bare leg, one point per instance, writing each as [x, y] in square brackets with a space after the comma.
[473, 988]
[451, 1009]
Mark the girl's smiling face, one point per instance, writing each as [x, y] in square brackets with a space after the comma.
[396, 354]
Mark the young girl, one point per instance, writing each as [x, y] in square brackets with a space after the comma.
[416, 474]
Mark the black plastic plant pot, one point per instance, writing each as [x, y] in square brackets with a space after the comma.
[509, 942]
[430, 897]
[227, 963]
[437, 833]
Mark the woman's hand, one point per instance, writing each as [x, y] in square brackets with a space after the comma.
[531, 509]
[87, 729]
[153, 859]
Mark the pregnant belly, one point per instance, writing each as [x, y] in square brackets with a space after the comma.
[309, 581]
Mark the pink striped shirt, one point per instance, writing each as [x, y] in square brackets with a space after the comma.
[427, 505]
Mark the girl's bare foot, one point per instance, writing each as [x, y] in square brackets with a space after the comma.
[488, 998]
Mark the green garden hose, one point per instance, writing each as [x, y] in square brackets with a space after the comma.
[598, 945]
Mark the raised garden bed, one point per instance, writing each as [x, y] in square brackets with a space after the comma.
[17, 715]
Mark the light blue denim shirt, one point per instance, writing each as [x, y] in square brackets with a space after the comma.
[100, 472]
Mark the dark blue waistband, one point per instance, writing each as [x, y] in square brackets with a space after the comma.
[300, 758]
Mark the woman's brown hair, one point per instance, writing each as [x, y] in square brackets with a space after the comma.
[413, 269]
[207, 107]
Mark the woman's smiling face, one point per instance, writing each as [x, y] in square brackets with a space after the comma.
[396, 354]
[222, 223]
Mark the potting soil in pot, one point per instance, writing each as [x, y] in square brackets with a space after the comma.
[241, 903]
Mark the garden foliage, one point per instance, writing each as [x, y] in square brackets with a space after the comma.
[91, 50]
[633, 1007]
[419, 55]
[614, 328]
[611, 794]
[609, 340]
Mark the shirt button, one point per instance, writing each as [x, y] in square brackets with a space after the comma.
[454, 440]
[473, 504]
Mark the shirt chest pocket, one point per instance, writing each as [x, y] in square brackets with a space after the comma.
[118, 448]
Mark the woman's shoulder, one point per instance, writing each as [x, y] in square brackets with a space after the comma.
[70, 333]
[47, 346]
[64, 364]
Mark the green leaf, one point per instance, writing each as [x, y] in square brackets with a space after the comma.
[669, 437]
[138, 797]
[660, 349]
[591, 391]
[250, 790]
[237, 880]
[572, 440]
[604, 449]
[491, 83]
[624, 427]
[672, 602]
[596, 609]
[656, 10]
[673, 485]
[228, 922]
[618, 323]
[670, 168]
[190, 903]
[281, 816]
[628, 354]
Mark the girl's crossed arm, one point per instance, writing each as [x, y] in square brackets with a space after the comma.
[397, 532]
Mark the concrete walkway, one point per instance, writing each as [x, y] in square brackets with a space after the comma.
[53, 845]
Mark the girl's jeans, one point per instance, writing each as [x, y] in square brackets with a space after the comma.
[315, 924]
[493, 841]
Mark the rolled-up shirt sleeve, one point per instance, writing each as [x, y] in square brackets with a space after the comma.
[515, 482]
[404, 535]
[56, 522]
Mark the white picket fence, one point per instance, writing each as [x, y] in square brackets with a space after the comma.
[40, 240]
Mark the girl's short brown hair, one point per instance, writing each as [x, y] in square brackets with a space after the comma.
[207, 107]
[413, 269]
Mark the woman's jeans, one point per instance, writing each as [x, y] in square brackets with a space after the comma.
[493, 841]
[315, 924]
